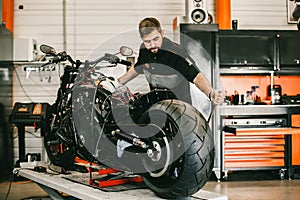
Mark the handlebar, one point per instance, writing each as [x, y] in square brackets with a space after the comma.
[125, 62]
[113, 59]
[63, 56]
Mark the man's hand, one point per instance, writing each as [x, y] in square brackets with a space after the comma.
[217, 97]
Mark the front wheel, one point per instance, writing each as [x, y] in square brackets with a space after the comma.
[184, 148]
[59, 153]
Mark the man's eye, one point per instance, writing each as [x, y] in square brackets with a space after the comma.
[147, 41]
[156, 39]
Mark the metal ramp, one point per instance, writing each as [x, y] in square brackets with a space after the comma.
[56, 184]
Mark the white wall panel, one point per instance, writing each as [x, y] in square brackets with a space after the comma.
[36, 87]
[260, 14]
[33, 143]
[88, 24]
[91, 22]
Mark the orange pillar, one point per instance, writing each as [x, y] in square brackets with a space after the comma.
[223, 14]
[8, 14]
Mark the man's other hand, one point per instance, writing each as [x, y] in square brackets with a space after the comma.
[217, 97]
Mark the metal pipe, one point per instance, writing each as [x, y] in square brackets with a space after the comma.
[223, 14]
[7, 17]
[64, 26]
[272, 79]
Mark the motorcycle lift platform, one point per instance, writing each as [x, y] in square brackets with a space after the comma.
[58, 184]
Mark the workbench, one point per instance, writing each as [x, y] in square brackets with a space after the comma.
[55, 184]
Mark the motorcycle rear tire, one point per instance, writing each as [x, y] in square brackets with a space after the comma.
[196, 163]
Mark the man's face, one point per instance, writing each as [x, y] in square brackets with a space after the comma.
[153, 41]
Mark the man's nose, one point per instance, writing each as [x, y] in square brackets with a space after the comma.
[152, 44]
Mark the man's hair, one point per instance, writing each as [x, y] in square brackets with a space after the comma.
[147, 25]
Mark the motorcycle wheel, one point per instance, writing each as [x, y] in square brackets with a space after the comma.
[58, 153]
[186, 150]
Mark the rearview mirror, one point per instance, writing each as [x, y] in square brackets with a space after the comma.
[48, 49]
[126, 51]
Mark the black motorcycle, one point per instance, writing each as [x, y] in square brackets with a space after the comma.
[166, 141]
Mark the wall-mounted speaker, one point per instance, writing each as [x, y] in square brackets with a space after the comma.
[196, 12]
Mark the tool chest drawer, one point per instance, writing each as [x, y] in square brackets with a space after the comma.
[254, 151]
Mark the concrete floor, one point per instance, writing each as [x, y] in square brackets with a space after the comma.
[235, 188]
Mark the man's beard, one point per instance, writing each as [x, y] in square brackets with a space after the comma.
[154, 49]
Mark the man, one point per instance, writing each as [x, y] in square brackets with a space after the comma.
[167, 65]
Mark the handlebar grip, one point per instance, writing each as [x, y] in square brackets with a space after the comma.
[56, 59]
[125, 62]
[62, 56]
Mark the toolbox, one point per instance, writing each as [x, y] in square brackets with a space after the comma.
[28, 113]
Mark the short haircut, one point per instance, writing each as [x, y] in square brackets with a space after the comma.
[147, 25]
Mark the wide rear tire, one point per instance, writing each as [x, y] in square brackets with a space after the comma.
[191, 150]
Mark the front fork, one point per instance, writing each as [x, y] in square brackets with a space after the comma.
[60, 136]
[52, 121]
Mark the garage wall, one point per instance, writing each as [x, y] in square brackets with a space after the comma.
[92, 22]
[88, 24]
[261, 14]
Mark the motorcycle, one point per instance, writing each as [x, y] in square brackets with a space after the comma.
[166, 141]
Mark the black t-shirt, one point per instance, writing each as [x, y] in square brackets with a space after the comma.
[171, 62]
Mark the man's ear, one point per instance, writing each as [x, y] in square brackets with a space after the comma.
[163, 33]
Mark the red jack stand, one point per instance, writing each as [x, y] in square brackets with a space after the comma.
[108, 176]
[112, 177]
